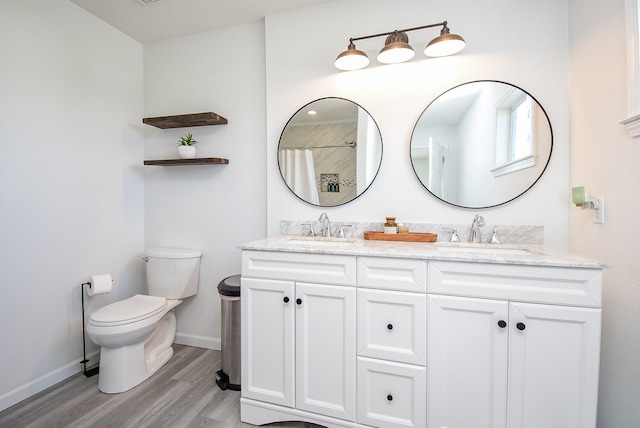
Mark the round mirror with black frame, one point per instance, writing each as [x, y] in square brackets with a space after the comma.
[330, 152]
[481, 144]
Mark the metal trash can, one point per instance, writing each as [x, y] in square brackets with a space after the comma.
[228, 377]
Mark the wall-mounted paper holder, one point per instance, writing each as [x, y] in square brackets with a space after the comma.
[587, 202]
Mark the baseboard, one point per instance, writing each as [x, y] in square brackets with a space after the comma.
[260, 413]
[29, 389]
[198, 341]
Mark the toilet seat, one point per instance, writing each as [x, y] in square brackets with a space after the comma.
[131, 310]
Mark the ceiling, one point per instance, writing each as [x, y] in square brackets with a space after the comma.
[165, 19]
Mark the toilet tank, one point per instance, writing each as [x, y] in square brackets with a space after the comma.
[172, 273]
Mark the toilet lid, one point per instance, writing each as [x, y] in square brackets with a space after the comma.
[130, 310]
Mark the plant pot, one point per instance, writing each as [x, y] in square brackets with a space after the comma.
[187, 152]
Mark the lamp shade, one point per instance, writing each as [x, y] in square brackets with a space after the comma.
[352, 59]
[396, 49]
[445, 44]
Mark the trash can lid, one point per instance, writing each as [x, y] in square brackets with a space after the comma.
[230, 286]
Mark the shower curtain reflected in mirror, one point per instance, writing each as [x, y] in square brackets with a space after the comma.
[299, 173]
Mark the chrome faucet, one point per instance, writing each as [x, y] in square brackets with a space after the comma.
[326, 225]
[341, 233]
[474, 234]
[494, 237]
[454, 234]
[311, 232]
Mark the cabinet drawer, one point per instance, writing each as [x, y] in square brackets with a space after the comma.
[392, 326]
[317, 268]
[392, 274]
[391, 394]
[541, 284]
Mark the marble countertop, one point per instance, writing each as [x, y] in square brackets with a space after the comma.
[520, 254]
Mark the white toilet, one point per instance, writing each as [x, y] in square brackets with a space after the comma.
[136, 334]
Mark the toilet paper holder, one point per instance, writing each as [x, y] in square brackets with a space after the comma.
[92, 371]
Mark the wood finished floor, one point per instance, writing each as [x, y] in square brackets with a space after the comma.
[182, 394]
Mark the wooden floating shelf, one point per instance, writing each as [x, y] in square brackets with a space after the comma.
[185, 120]
[407, 236]
[184, 162]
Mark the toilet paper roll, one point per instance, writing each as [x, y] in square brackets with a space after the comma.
[99, 284]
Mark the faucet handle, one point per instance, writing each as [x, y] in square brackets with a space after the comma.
[454, 234]
[494, 236]
[311, 232]
[341, 233]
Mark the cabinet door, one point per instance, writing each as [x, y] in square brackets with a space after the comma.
[553, 366]
[326, 349]
[268, 311]
[467, 362]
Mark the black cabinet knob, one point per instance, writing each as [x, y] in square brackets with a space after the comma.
[521, 326]
[286, 299]
[390, 326]
[502, 324]
[390, 397]
[299, 301]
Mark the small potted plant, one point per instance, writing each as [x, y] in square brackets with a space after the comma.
[187, 146]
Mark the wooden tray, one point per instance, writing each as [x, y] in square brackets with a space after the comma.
[407, 236]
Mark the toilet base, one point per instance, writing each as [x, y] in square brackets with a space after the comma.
[125, 367]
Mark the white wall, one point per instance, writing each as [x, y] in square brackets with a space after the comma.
[605, 161]
[71, 183]
[505, 42]
[213, 208]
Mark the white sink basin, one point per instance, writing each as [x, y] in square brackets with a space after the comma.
[483, 249]
[322, 242]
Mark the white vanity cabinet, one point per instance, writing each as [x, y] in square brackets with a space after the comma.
[298, 335]
[503, 363]
[418, 338]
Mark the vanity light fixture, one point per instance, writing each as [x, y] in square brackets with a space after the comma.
[397, 49]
